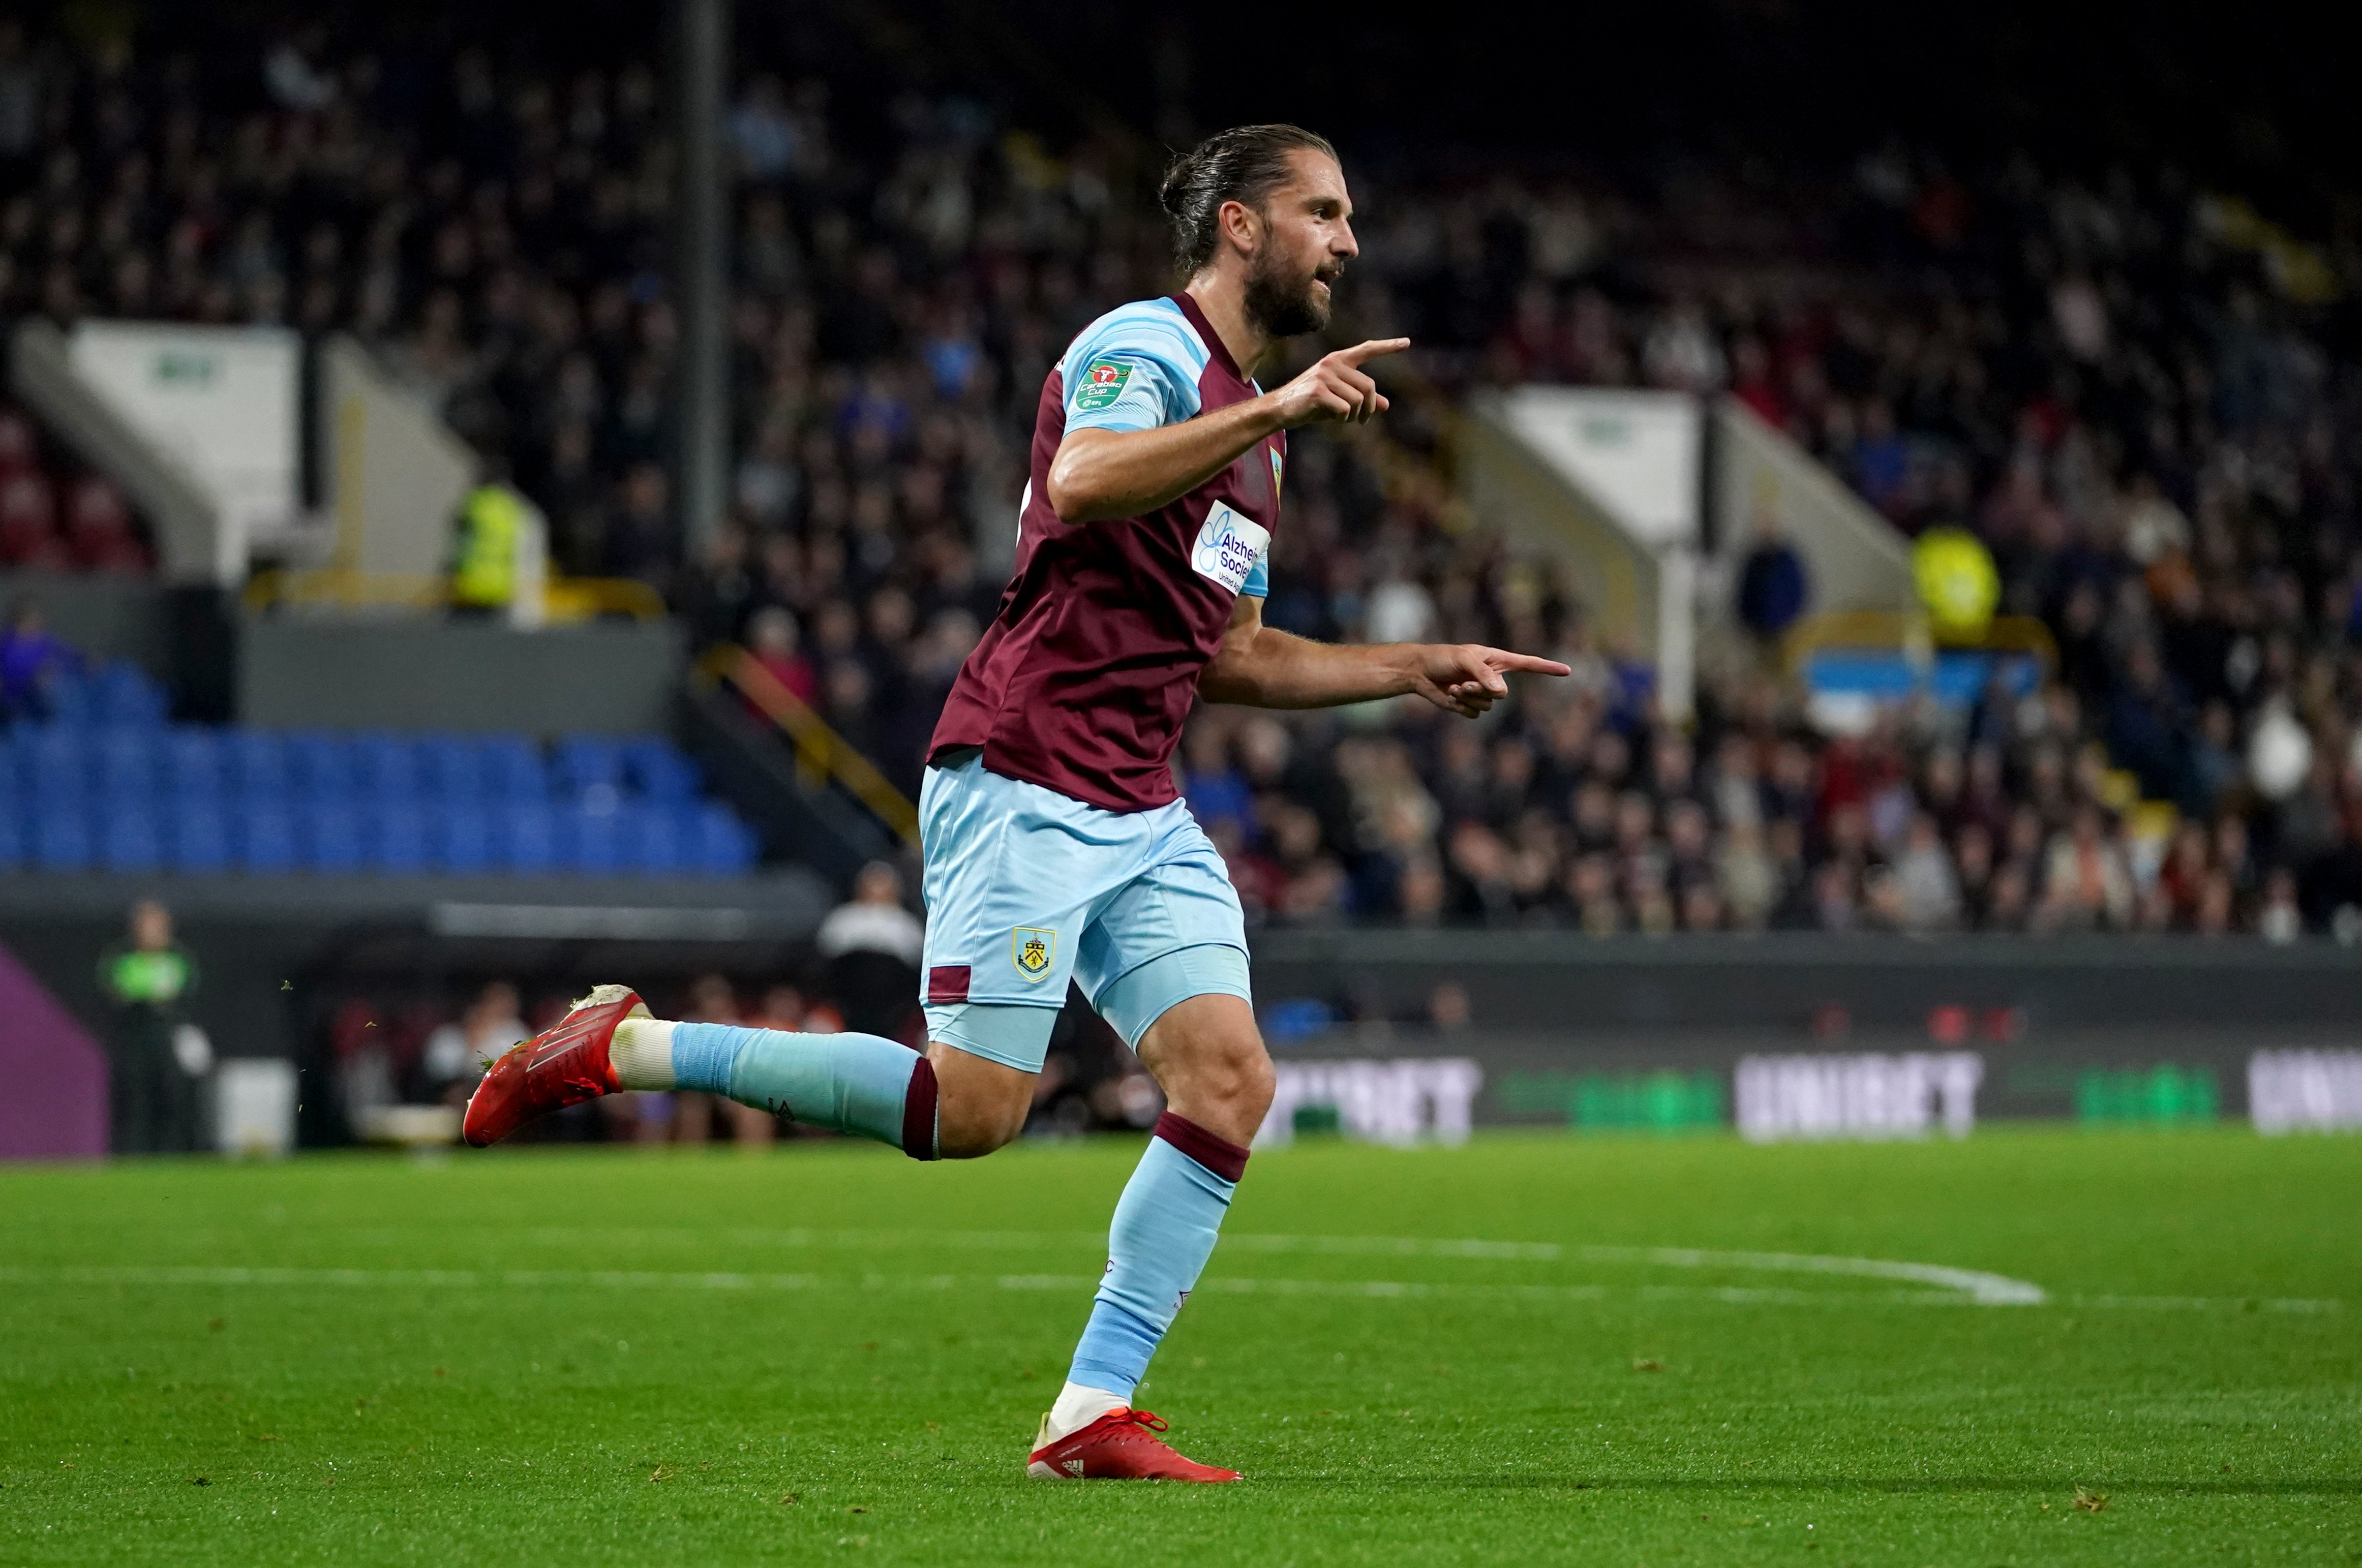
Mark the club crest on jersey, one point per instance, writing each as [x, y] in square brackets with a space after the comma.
[1032, 951]
[1100, 384]
[1227, 547]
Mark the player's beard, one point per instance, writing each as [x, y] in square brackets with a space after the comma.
[1281, 301]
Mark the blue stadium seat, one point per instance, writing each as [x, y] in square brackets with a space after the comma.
[524, 839]
[192, 763]
[257, 765]
[459, 839]
[123, 693]
[196, 836]
[589, 762]
[451, 767]
[659, 771]
[61, 836]
[126, 763]
[129, 839]
[328, 839]
[514, 770]
[597, 842]
[262, 839]
[57, 763]
[385, 767]
[396, 839]
[68, 698]
[320, 765]
[724, 847]
[663, 835]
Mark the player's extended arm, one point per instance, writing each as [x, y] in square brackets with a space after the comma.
[1263, 667]
[1103, 474]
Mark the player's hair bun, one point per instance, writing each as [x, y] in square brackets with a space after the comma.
[1241, 164]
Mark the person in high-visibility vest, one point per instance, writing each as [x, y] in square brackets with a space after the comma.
[1957, 584]
[499, 570]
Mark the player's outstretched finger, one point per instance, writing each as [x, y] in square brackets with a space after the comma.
[1370, 349]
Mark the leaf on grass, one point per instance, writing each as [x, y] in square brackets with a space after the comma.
[661, 1473]
[1647, 1363]
[786, 1498]
[856, 1509]
[2089, 1502]
[199, 1481]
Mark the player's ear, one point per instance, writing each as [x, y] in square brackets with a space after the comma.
[1242, 224]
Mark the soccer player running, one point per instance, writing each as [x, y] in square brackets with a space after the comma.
[1055, 844]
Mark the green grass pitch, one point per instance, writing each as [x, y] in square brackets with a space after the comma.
[831, 1353]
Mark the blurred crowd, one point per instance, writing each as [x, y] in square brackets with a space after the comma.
[2120, 383]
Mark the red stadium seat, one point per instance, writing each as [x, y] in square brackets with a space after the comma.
[29, 514]
[19, 448]
[98, 528]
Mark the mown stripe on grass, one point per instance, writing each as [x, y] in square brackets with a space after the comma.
[1374, 1290]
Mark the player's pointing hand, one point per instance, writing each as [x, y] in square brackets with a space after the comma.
[1468, 677]
[1337, 387]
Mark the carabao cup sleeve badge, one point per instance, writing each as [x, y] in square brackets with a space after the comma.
[1032, 951]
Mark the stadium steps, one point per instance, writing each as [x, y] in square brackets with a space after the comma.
[748, 763]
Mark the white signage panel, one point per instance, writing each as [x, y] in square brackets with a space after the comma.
[1857, 1096]
[1635, 453]
[222, 401]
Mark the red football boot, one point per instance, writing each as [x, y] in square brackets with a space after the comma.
[560, 1067]
[1120, 1446]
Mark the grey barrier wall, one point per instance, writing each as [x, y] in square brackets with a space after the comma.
[101, 617]
[604, 677]
[1801, 982]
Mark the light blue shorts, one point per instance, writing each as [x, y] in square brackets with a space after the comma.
[1027, 888]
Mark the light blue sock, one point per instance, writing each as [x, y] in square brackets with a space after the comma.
[1165, 1227]
[846, 1083]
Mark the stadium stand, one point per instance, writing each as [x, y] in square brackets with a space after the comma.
[105, 784]
[2118, 385]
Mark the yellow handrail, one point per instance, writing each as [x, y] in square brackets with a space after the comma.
[568, 599]
[1912, 632]
[821, 753]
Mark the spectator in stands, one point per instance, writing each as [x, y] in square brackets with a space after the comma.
[1772, 587]
[455, 1052]
[153, 1064]
[872, 945]
[773, 640]
[31, 658]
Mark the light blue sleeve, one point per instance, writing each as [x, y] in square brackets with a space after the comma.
[1258, 582]
[1134, 369]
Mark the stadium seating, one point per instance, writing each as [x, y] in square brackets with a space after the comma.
[108, 785]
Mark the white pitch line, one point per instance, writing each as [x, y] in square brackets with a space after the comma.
[1984, 1288]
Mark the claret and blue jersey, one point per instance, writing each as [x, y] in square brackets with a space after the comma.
[1088, 670]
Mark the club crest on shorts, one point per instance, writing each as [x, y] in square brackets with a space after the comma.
[1032, 951]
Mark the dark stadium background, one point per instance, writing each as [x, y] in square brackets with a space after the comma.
[1674, 116]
